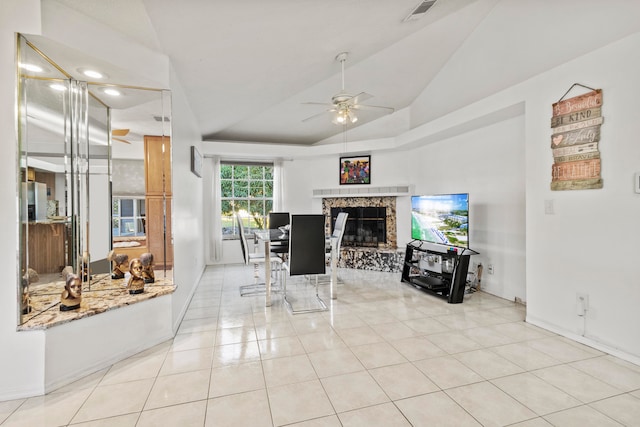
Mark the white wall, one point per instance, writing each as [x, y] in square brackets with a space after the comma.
[589, 245]
[487, 163]
[35, 361]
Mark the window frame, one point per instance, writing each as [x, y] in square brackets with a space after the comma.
[246, 198]
[138, 219]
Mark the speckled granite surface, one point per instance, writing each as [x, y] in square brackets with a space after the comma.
[103, 295]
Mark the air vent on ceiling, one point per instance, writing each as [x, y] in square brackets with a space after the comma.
[161, 119]
[420, 10]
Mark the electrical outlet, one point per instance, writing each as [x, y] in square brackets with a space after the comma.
[582, 304]
[490, 268]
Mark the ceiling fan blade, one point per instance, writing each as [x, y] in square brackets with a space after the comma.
[389, 110]
[357, 99]
[331, 110]
[119, 132]
[121, 140]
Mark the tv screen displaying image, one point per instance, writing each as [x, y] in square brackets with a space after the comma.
[441, 219]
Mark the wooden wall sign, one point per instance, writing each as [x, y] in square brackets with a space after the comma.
[575, 125]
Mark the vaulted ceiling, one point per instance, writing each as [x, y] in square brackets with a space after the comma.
[248, 67]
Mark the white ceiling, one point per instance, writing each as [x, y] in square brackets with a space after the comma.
[248, 67]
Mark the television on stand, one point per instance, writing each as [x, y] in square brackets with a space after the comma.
[437, 259]
[441, 219]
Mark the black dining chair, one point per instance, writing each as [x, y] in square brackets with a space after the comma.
[255, 258]
[306, 255]
[276, 220]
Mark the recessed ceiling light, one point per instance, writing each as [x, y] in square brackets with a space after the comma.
[112, 92]
[92, 73]
[32, 67]
[58, 87]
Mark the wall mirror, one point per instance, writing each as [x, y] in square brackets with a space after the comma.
[95, 176]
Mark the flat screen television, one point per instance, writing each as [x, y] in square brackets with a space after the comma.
[441, 219]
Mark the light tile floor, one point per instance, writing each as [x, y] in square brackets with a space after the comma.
[386, 354]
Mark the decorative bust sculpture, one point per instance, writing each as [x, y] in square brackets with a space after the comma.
[120, 264]
[136, 281]
[147, 267]
[71, 297]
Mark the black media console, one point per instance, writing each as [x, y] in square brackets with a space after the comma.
[440, 271]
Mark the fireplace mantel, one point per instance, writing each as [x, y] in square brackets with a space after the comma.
[363, 191]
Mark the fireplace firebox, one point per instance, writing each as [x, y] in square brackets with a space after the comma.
[366, 226]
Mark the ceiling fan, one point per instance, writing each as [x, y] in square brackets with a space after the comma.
[343, 105]
[118, 134]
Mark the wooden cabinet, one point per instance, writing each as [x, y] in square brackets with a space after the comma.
[157, 165]
[47, 246]
[158, 198]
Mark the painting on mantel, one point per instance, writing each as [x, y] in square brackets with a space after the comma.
[355, 170]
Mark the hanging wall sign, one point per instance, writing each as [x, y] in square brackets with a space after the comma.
[575, 126]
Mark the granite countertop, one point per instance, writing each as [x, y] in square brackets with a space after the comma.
[103, 294]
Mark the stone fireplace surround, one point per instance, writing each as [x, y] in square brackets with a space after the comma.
[386, 257]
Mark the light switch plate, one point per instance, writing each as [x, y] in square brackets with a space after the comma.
[637, 182]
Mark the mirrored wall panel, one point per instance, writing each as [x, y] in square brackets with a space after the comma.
[94, 188]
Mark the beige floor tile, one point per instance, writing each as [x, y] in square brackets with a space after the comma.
[458, 321]
[233, 354]
[344, 321]
[288, 370]
[490, 405]
[280, 347]
[520, 331]
[194, 340]
[7, 407]
[330, 421]
[378, 354]
[385, 415]
[359, 336]
[624, 408]
[394, 330]
[426, 326]
[576, 383]
[133, 369]
[321, 341]
[536, 394]
[513, 314]
[178, 388]
[235, 335]
[275, 330]
[353, 391]
[417, 348]
[453, 342]
[525, 356]
[486, 336]
[402, 381]
[435, 409]
[238, 378]
[335, 362]
[535, 422]
[186, 361]
[580, 417]
[156, 350]
[54, 409]
[447, 372]
[559, 349]
[190, 414]
[298, 402]
[377, 317]
[128, 420]
[250, 409]
[612, 373]
[90, 381]
[488, 364]
[117, 399]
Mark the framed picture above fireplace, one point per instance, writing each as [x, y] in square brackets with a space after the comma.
[355, 170]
